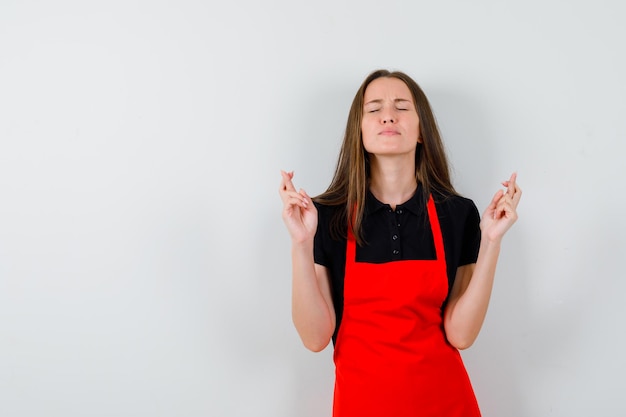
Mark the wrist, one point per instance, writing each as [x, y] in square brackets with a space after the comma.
[305, 245]
[488, 241]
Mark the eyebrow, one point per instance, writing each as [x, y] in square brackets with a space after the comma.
[378, 101]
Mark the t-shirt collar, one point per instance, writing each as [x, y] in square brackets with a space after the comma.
[413, 204]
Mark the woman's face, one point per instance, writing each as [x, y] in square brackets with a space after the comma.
[390, 124]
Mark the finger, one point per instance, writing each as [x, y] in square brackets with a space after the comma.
[293, 194]
[517, 195]
[500, 212]
[288, 195]
[305, 195]
[496, 198]
[506, 208]
[503, 203]
[511, 184]
[286, 184]
[492, 207]
[297, 200]
[291, 203]
[514, 191]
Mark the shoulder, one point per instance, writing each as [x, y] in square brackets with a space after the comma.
[330, 219]
[458, 216]
[454, 205]
[329, 244]
[326, 212]
[324, 207]
[460, 226]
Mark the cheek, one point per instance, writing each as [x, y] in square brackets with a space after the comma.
[366, 132]
[417, 131]
[366, 139]
[366, 142]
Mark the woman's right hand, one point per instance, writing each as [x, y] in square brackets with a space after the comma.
[299, 212]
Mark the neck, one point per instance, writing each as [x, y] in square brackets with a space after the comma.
[392, 181]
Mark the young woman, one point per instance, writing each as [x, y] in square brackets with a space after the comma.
[391, 263]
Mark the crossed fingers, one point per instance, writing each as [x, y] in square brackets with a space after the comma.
[506, 202]
[288, 192]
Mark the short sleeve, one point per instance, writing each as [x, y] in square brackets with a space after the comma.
[471, 236]
[319, 242]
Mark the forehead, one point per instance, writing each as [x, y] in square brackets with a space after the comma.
[387, 88]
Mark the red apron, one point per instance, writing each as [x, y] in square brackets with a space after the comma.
[391, 355]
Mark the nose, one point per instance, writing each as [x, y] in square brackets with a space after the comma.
[388, 117]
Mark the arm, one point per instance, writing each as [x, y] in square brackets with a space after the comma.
[312, 307]
[469, 298]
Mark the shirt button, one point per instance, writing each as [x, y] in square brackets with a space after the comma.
[400, 211]
[394, 237]
[396, 251]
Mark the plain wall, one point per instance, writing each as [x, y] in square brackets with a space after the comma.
[144, 266]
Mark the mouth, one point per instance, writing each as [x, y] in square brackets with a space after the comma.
[389, 133]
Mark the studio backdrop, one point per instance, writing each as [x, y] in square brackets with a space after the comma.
[144, 266]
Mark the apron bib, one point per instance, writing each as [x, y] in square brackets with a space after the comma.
[391, 355]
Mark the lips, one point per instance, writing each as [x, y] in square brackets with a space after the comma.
[389, 132]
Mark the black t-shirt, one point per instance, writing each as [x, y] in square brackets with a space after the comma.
[403, 234]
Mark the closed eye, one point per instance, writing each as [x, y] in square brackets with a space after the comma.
[404, 105]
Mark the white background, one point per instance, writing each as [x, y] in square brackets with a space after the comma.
[144, 267]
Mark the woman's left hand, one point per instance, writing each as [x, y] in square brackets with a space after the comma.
[502, 211]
